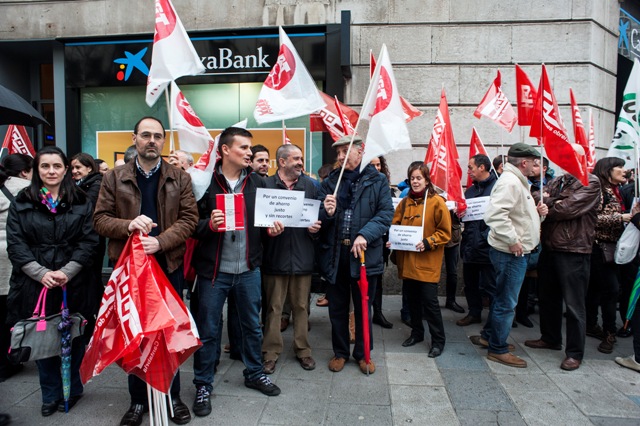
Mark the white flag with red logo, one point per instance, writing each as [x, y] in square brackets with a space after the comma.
[547, 126]
[333, 118]
[17, 141]
[475, 147]
[202, 171]
[173, 54]
[579, 131]
[445, 173]
[289, 91]
[526, 95]
[497, 107]
[591, 152]
[382, 108]
[410, 112]
[194, 137]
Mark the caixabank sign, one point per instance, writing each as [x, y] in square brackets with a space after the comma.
[232, 57]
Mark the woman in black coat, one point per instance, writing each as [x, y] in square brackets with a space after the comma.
[51, 243]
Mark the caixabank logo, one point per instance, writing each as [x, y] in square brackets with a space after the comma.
[130, 62]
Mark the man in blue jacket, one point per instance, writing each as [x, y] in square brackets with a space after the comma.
[353, 221]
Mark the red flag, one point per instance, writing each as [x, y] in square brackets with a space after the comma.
[526, 95]
[409, 111]
[547, 126]
[578, 126]
[142, 323]
[327, 119]
[346, 125]
[17, 141]
[475, 147]
[591, 151]
[446, 172]
[497, 107]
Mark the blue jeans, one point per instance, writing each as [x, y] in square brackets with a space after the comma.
[211, 298]
[510, 271]
[51, 378]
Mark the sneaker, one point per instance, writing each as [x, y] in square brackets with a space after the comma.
[202, 403]
[595, 331]
[629, 362]
[264, 385]
[606, 346]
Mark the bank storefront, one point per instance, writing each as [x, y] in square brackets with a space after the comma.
[106, 82]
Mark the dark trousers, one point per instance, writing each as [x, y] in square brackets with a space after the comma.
[602, 292]
[137, 387]
[425, 295]
[5, 334]
[49, 371]
[628, 274]
[563, 276]
[339, 295]
[451, 258]
[479, 280]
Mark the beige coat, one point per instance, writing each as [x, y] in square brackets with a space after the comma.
[14, 185]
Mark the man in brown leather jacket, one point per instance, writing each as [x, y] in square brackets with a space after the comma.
[151, 196]
[563, 269]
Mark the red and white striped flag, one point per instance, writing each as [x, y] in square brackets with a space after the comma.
[173, 54]
[17, 141]
[289, 91]
[497, 107]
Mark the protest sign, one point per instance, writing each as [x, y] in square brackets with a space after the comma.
[405, 238]
[475, 208]
[278, 205]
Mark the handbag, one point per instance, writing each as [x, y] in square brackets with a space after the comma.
[38, 337]
[627, 246]
[608, 251]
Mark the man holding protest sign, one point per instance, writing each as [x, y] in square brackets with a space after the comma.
[353, 221]
[228, 257]
[287, 267]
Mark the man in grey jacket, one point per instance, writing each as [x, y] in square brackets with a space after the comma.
[514, 220]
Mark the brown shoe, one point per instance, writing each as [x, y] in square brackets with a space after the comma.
[336, 364]
[508, 359]
[269, 366]
[468, 320]
[541, 344]
[480, 341]
[570, 364]
[606, 346]
[307, 363]
[284, 324]
[322, 301]
[363, 367]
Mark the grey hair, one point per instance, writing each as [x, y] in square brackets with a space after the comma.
[186, 154]
[285, 150]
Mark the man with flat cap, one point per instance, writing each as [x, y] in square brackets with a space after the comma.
[514, 220]
[353, 221]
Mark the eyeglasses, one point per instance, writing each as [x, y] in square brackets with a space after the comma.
[145, 136]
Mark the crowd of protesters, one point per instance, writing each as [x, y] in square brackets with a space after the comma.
[56, 215]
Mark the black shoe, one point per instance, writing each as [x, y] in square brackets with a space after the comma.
[133, 416]
[235, 355]
[5, 419]
[595, 331]
[379, 319]
[181, 414]
[435, 352]
[72, 401]
[514, 324]
[624, 332]
[525, 321]
[48, 408]
[264, 385]
[452, 305]
[202, 403]
[411, 341]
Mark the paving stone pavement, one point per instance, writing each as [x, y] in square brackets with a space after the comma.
[461, 387]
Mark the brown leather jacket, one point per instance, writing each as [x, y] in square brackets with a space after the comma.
[570, 225]
[119, 203]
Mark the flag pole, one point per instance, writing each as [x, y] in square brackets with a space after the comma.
[170, 114]
[283, 133]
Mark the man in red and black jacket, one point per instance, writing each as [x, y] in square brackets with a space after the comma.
[227, 258]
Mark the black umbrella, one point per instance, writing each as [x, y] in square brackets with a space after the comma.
[15, 110]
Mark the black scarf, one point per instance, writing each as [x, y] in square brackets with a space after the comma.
[344, 193]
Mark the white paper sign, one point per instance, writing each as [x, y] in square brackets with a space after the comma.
[395, 201]
[476, 208]
[278, 204]
[310, 212]
[405, 238]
